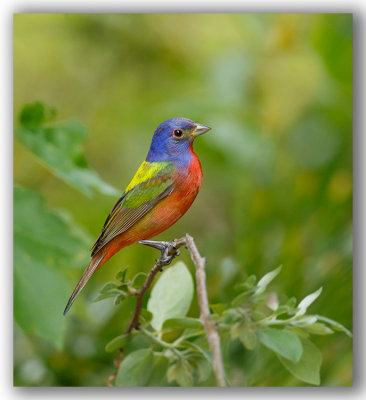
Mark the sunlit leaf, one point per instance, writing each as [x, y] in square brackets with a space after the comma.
[318, 329]
[304, 320]
[171, 296]
[136, 368]
[282, 342]
[59, 148]
[43, 243]
[268, 278]
[40, 294]
[335, 325]
[306, 301]
[307, 369]
[118, 342]
[46, 236]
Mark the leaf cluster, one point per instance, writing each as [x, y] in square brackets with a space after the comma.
[174, 338]
[48, 241]
[254, 316]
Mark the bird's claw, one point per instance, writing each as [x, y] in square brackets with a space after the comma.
[163, 247]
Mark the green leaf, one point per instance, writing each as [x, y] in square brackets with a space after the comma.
[34, 115]
[59, 148]
[160, 367]
[306, 301]
[112, 293]
[289, 307]
[282, 342]
[218, 308]
[181, 372]
[107, 287]
[192, 333]
[248, 337]
[245, 333]
[291, 303]
[258, 315]
[248, 283]
[45, 235]
[40, 293]
[182, 323]
[268, 278]
[138, 280]
[235, 330]
[43, 243]
[118, 299]
[304, 320]
[136, 368]
[171, 296]
[204, 369]
[300, 332]
[307, 369]
[121, 275]
[318, 329]
[230, 315]
[145, 315]
[241, 299]
[203, 352]
[118, 342]
[335, 325]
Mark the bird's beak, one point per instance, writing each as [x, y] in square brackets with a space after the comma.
[199, 130]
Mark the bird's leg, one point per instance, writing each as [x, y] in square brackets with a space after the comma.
[168, 250]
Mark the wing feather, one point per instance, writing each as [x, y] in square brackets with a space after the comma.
[134, 205]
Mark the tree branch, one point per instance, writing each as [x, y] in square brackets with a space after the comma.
[210, 328]
[170, 250]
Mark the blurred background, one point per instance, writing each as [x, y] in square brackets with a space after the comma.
[277, 189]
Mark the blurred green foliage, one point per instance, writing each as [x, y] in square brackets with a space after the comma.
[277, 188]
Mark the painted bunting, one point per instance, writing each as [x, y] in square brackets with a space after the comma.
[160, 193]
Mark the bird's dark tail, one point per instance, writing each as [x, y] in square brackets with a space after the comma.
[90, 269]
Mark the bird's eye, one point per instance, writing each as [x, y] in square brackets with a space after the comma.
[178, 133]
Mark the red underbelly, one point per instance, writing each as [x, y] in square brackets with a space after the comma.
[160, 218]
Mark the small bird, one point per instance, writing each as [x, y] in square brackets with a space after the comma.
[160, 193]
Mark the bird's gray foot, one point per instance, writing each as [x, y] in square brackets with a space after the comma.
[167, 249]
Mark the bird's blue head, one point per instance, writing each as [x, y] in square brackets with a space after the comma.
[172, 140]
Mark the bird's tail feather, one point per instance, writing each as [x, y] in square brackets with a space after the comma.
[90, 269]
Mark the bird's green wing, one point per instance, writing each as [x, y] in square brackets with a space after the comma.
[152, 183]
